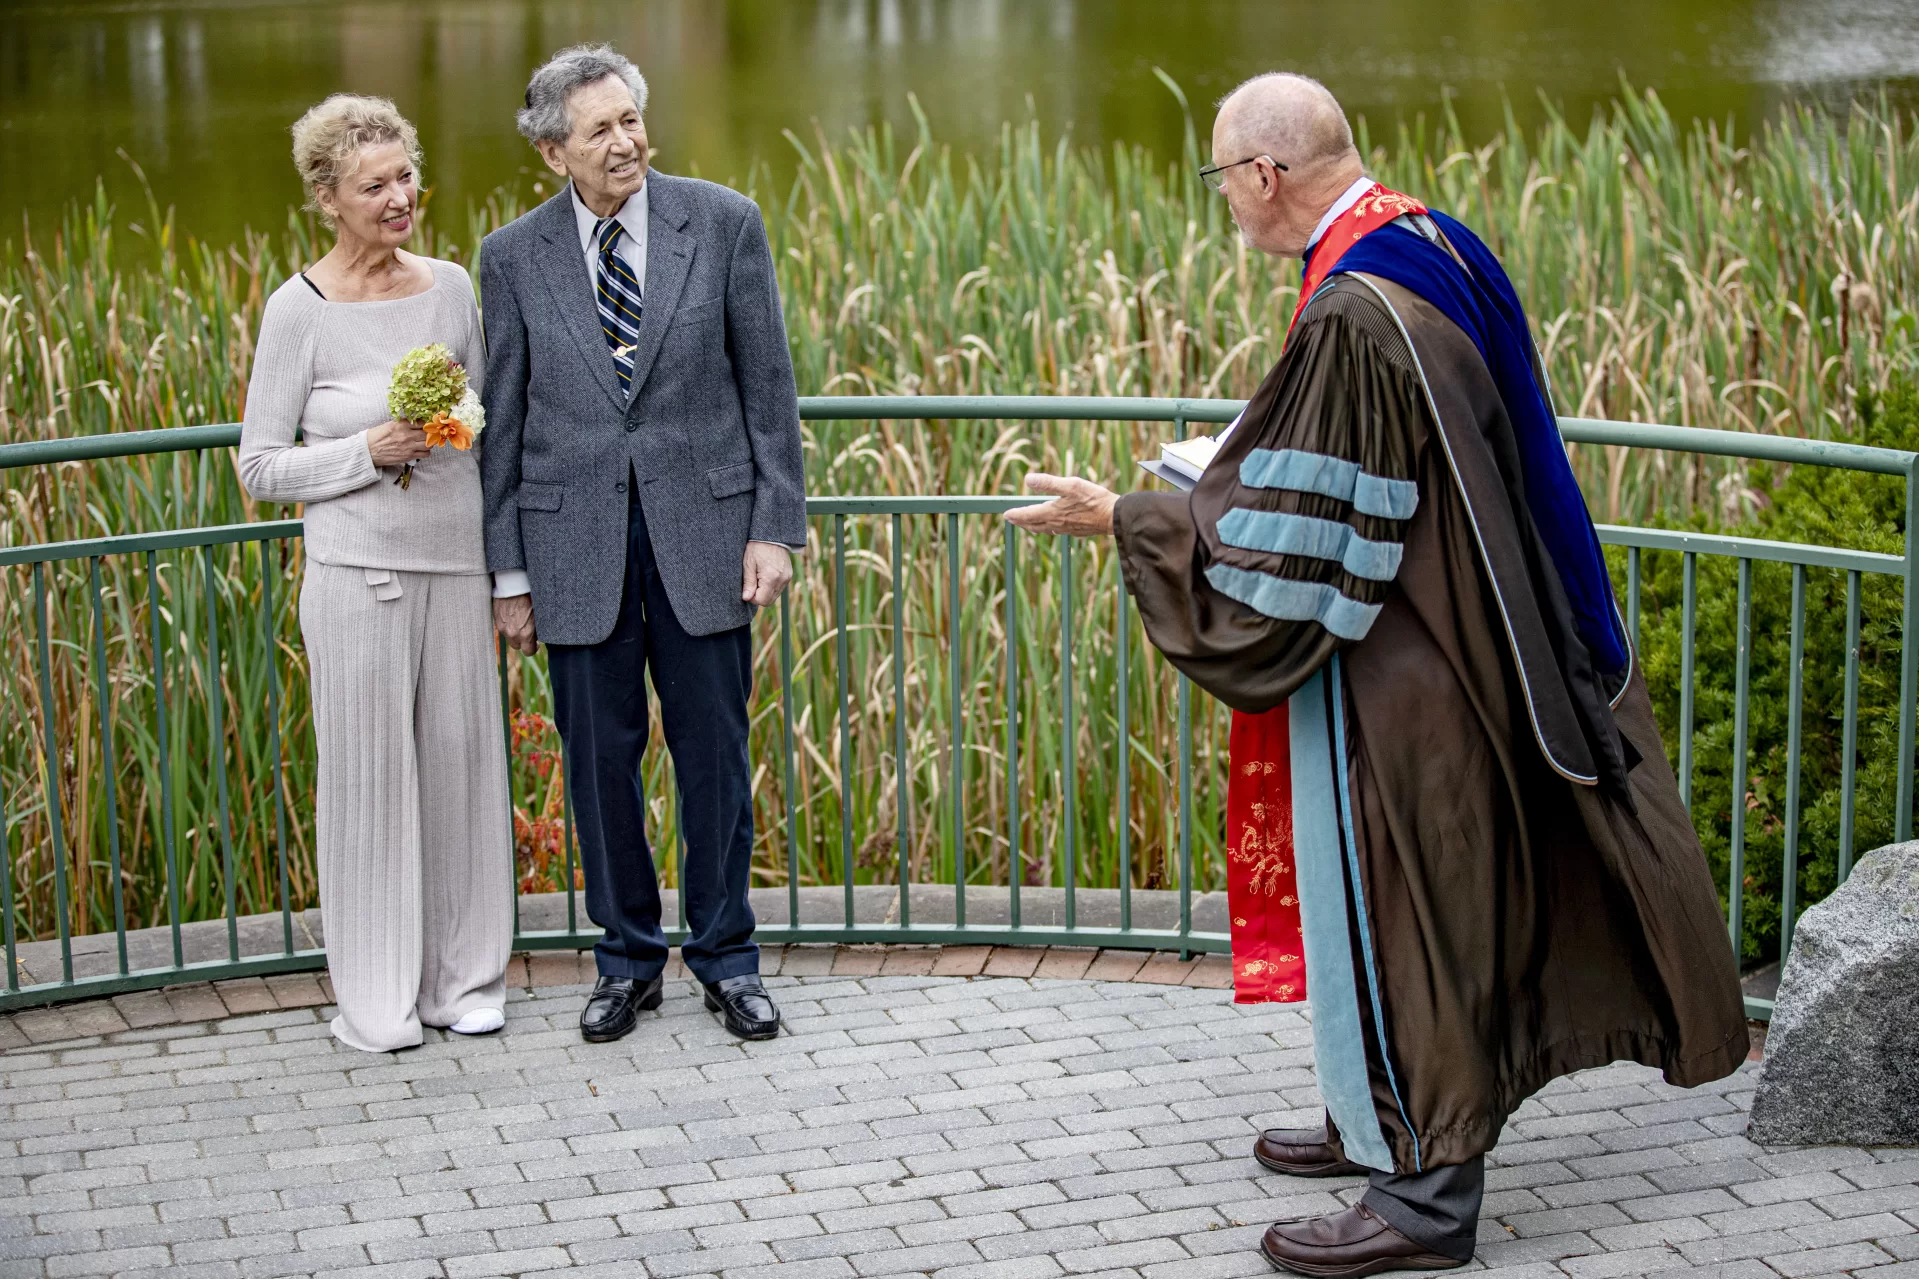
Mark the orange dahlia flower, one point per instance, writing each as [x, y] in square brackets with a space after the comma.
[444, 428]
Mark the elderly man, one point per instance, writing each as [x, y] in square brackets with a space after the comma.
[643, 488]
[1439, 741]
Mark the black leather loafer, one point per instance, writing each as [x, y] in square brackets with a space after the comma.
[615, 1004]
[750, 1011]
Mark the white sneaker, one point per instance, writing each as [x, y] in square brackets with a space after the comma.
[481, 1021]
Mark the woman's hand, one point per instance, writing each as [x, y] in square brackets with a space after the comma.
[395, 443]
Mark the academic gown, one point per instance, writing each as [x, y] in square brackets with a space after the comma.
[1498, 883]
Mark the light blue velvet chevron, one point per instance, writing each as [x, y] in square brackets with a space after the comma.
[1333, 477]
[1283, 533]
[1291, 601]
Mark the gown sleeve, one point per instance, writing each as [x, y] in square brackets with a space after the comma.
[1287, 548]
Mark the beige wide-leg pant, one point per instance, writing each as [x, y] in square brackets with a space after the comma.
[415, 840]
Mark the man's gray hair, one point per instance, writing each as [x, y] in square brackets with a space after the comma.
[544, 118]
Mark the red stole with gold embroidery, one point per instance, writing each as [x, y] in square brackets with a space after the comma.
[1262, 899]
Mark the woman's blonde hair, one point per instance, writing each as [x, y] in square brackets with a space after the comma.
[328, 139]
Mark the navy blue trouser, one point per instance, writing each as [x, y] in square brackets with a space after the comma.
[703, 682]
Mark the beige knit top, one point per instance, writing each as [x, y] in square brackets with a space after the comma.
[321, 368]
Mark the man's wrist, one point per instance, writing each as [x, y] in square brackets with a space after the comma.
[509, 582]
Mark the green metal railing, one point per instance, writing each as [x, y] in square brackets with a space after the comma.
[264, 539]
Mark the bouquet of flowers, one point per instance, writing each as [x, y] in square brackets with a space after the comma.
[429, 389]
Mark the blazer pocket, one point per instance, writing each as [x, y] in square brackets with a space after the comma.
[697, 313]
[730, 481]
[535, 496]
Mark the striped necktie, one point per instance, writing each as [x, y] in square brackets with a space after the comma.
[619, 299]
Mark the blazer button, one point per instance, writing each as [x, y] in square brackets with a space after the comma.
[620, 487]
[632, 426]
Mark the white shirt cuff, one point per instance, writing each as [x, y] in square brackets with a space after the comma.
[797, 550]
[509, 582]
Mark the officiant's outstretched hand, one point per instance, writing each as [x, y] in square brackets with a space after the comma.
[1080, 508]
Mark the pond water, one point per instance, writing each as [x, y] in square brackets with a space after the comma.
[199, 93]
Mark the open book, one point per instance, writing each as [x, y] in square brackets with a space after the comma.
[1181, 462]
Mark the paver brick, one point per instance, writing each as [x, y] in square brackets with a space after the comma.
[1771, 1217]
[1820, 1261]
[938, 1256]
[1859, 1203]
[1737, 1247]
[1632, 1261]
[1879, 1227]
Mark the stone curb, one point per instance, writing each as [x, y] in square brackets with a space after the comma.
[543, 970]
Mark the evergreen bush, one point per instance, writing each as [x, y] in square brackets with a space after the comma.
[1805, 504]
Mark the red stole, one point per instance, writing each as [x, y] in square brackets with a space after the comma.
[1262, 900]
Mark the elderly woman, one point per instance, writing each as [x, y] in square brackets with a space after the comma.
[415, 843]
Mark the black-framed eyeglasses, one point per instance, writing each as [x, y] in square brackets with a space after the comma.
[1214, 176]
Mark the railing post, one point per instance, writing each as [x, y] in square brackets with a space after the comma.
[51, 752]
[1015, 866]
[506, 732]
[6, 894]
[1070, 779]
[1849, 745]
[1690, 606]
[271, 637]
[846, 727]
[1789, 877]
[786, 767]
[1741, 720]
[216, 728]
[169, 830]
[957, 731]
[103, 696]
[902, 790]
[1185, 784]
[1125, 763]
[1909, 654]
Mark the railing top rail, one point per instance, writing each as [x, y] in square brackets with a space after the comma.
[969, 504]
[170, 540]
[1752, 548]
[1764, 448]
[821, 408]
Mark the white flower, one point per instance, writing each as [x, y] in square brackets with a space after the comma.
[471, 412]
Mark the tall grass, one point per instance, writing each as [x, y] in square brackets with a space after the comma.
[1675, 272]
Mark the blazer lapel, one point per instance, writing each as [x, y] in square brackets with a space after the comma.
[669, 258]
[563, 266]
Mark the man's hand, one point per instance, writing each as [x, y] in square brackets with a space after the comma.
[513, 618]
[766, 570]
[1080, 508]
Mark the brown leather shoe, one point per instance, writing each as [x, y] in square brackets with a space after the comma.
[1303, 1152]
[1345, 1244]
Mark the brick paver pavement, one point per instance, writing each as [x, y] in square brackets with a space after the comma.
[913, 1122]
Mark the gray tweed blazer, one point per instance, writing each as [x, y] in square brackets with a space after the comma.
[711, 428]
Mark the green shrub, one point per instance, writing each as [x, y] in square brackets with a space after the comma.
[1808, 505]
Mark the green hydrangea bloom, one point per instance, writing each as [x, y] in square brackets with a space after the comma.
[427, 380]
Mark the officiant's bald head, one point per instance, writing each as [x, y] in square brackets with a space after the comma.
[1286, 153]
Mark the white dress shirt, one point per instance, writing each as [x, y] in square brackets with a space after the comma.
[631, 249]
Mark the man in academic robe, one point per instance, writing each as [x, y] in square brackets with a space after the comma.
[1462, 799]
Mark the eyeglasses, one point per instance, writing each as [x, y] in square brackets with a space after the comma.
[1214, 176]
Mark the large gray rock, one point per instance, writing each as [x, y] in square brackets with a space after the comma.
[1842, 1056]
